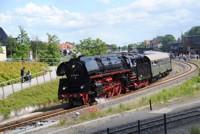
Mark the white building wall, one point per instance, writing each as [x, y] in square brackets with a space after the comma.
[3, 55]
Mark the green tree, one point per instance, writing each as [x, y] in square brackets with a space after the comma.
[37, 47]
[141, 45]
[113, 47]
[166, 40]
[22, 51]
[11, 46]
[50, 52]
[131, 47]
[92, 47]
[193, 31]
[23, 38]
[124, 48]
[23, 44]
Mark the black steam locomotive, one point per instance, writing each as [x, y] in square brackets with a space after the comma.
[86, 78]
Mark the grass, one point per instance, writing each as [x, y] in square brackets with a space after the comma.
[195, 130]
[62, 122]
[11, 70]
[37, 95]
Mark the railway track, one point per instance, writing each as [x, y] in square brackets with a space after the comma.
[42, 116]
[191, 69]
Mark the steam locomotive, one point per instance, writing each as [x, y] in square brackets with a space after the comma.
[88, 77]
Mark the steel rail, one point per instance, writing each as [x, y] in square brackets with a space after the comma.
[39, 117]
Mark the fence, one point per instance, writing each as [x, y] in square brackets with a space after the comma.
[11, 86]
[159, 124]
[49, 61]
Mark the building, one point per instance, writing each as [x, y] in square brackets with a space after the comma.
[66, 48]
[3, 37]
[3, 56]
[177, 48]
[112, 48]
[3, 43]
[154, 44]
[192, 43]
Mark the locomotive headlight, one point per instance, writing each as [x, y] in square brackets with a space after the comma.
[64, 88]
[82, 86]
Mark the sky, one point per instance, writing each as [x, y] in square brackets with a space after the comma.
[114, 21]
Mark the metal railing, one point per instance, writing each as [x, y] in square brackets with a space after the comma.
[160, 124]
[49, 61]
[13, 85]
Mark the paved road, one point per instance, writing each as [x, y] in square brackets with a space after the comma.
[9, 89]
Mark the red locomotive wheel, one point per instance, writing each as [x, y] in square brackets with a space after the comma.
[119, 89]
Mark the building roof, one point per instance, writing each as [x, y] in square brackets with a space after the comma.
[155, 55]
[3, 36]
[66, 45]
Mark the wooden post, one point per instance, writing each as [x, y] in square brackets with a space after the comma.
[21, 85]
[43, 77]
[50, 75]
[37, 79]
[3, 92]
[150, 105]
[12, 87]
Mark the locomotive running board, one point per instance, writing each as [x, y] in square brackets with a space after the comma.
[108, 74]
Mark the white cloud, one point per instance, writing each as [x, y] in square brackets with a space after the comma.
[50, 16]
[105, 1]
[5, 18]
[140, 16]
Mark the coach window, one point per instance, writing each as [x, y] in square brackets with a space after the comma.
[154, 63]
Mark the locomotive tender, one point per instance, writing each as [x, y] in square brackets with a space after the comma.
[88, 77]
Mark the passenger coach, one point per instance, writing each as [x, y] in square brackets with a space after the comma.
[160, 63]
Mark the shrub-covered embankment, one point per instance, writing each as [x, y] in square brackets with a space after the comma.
[37, 95]
[11, 70]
